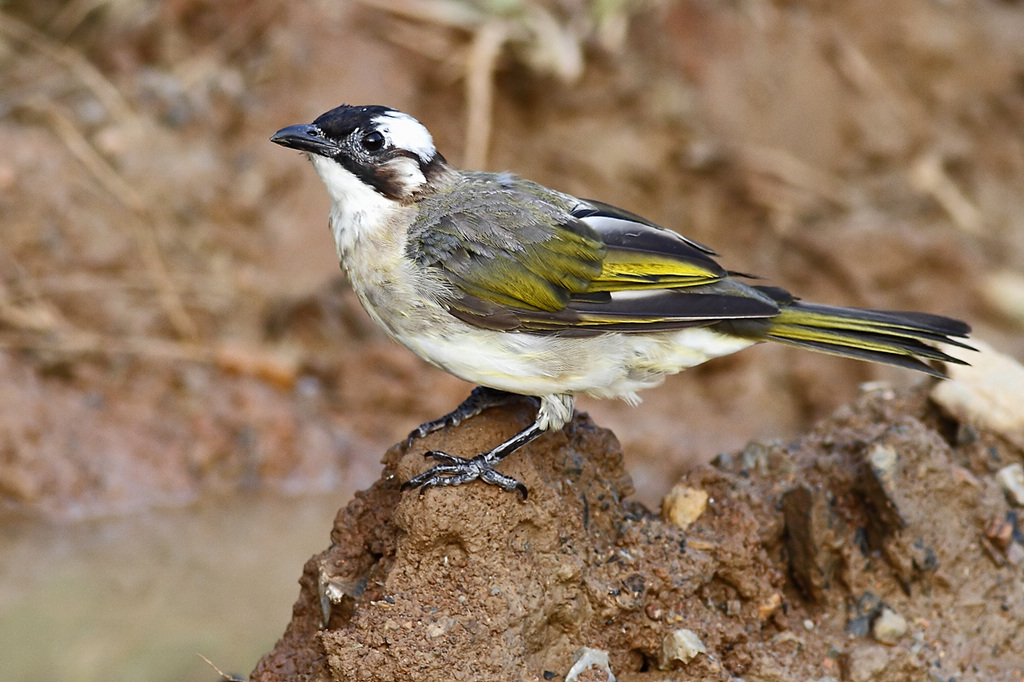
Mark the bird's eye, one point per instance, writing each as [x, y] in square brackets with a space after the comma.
[373, 141]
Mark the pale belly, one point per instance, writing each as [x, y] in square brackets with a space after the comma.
[606, 366]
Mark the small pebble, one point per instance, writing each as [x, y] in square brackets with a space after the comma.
[883, 460]
[1015, 554]
[683, 505]
[437, 629]
[889, 626]
[867, 663]
[586, 658]
[769, 606]
[1000, 532]
[1011, 478]
[680, 646]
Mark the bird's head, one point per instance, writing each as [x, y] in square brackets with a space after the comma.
[381, 148]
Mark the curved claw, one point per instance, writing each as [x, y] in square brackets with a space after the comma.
[504, 482]
[443, 457]
[424, 430]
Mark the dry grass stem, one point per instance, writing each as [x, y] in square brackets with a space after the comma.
[124, 193]
[105, 91]
[929, 176]
[443, 12]
[795, 172]
[488, 41]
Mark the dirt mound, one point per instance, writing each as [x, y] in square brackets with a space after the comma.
[878, 546]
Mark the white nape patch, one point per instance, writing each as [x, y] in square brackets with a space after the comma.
[405, 132]
[407, 178]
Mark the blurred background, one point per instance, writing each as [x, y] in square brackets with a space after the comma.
[188, 387]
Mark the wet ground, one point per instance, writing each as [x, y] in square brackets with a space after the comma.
[144, 596]
[173, 324]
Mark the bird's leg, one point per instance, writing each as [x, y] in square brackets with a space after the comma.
[553, 412]
[482, 398]
[459, 470]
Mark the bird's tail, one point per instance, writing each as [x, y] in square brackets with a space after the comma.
[904, 339]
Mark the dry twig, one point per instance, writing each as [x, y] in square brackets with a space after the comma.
[928, 175]
[105, 91]
[127, 196]
[550, 44]
[80, 147]
[488, 41]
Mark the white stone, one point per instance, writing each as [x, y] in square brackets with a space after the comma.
[589, 658]
[684, 505]
[1011, 478]
[889, 626]
[680, 646]
[989, 394]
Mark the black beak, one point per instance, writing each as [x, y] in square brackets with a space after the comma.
[306, 138]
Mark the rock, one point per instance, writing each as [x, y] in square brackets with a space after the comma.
[879, 486]
[1011, 478]
[866, 663]
[988, 394]
[1003, 290]
[809, 540]
[889, 626]
[680, 646]
[470, 583]
[683, 505]
[868, 609]
[587, 658]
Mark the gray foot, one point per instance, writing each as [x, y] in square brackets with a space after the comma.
[459, 470]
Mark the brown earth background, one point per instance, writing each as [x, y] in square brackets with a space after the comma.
[173, 324]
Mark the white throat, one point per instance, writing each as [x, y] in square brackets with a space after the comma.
[357, 210]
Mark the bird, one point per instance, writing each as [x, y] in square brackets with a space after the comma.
[531, 293]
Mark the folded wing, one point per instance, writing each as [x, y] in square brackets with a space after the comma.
[521, 257]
